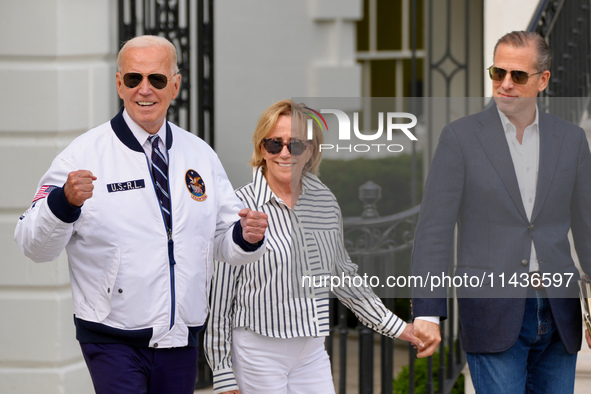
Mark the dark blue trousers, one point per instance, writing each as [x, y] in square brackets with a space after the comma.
[123, 369]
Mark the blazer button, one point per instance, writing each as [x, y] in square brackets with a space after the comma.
[524, 262]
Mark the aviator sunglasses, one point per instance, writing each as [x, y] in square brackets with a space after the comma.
[498, 74]
[275, 145]
[132, 80]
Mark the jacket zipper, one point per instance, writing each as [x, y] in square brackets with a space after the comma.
[172, 262]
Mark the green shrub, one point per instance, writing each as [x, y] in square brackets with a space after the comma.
[421, 377]
[393, 174]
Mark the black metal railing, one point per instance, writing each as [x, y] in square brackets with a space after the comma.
[189, 26]
[205, 72]
[565, 26]
[382, 246]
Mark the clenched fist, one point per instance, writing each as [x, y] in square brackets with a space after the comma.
[79, 187]
[253, 224]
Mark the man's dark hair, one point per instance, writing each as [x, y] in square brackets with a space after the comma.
[526, 38]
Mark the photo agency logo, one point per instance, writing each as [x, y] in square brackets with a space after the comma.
[396, 122]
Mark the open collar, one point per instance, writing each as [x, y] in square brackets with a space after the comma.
[126, 136]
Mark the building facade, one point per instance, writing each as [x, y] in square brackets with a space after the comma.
[57, 73]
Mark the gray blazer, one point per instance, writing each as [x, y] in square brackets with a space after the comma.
[472, 183]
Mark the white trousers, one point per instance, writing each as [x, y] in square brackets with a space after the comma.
[273, 365]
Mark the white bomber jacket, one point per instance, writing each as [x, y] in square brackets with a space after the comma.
[130, 283]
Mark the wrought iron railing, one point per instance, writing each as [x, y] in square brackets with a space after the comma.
[189, 25]
[566, 27]
[382, 246]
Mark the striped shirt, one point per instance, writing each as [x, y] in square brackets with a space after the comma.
[283, 295]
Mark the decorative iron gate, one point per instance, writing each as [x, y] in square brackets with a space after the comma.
[381, 246]
[565, 26]
[189, 25]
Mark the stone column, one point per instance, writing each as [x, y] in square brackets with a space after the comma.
[57, 81]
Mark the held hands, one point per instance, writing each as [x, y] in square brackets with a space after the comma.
[79, 187]
[429, 334]
[253, 224]
[409, 335]
[231, 392]
[588, 338]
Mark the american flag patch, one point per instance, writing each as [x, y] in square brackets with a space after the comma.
[44, 192]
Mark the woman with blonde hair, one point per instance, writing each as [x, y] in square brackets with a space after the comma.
[267, 325]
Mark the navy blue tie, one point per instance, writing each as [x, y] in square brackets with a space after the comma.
[160, 174]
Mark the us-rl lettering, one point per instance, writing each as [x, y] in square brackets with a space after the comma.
[128, 185]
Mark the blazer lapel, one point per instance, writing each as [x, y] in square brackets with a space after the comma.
[494, 143]
[550, 144]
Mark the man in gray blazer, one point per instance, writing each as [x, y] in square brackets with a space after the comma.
[514, 180]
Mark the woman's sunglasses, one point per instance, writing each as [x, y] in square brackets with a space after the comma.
[132, 80]
[498, 74]
[275, 145]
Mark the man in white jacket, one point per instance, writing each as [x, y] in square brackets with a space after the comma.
[140, 245]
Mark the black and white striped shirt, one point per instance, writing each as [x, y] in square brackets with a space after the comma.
[274, 296]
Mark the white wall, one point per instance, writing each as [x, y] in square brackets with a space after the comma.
[268, 50]
[57, 78]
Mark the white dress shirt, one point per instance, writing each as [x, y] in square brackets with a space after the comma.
[526, 161]
[142, 136]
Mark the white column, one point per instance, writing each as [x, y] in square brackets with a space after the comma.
[57, 78]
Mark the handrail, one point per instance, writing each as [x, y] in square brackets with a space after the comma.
[565, 27]
[545, 8]
[382, 220]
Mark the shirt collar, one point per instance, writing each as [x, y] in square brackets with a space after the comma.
[142, 135]
[264, 193]
[310, 182]
[261, 187]
[509, 127]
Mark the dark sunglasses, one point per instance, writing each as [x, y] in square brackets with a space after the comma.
[498, 74]
[132, 80]
[275, 145]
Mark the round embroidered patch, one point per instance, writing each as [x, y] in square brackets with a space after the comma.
[195, 185]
